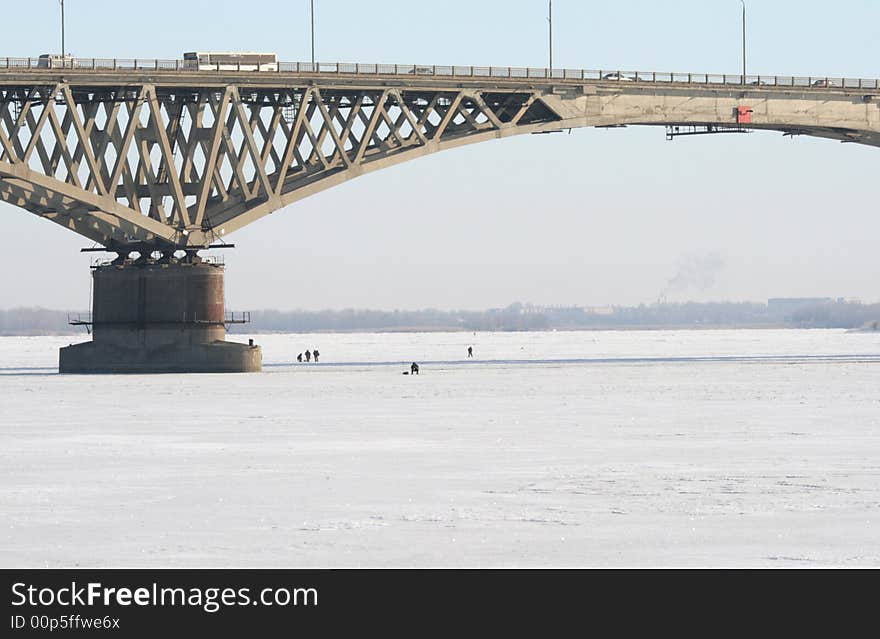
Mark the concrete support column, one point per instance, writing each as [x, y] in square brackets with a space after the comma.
[159, 318]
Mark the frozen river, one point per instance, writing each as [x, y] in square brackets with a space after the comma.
[656, 448]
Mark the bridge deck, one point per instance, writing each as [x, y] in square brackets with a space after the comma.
[116, 72]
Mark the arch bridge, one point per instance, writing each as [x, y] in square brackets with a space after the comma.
[155, 157]
[150, 155]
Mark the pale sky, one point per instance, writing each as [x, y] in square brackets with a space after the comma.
[594, 218]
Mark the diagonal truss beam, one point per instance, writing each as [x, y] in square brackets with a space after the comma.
[180, 167]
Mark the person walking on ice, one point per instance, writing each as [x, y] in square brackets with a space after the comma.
[315, 354]
[308, 355]
[414, 369]
[470, 351]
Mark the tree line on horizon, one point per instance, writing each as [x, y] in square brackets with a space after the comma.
[515, 317]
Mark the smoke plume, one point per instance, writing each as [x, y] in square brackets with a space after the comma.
[695, 273]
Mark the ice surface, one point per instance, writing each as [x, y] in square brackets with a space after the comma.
[657, 448]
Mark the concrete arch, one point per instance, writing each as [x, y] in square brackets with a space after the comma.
[181, 160]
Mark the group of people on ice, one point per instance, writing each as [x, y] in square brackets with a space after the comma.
[414, 369]
[309, 356]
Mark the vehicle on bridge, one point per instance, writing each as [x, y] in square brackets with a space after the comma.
[230, 61]
[617, 76]
[56, 61]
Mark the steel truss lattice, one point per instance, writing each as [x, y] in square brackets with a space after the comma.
[176, 168]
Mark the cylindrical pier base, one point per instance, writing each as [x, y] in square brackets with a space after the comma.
[159, 318]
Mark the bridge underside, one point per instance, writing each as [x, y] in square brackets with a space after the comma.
[175, 169]
[153, 167]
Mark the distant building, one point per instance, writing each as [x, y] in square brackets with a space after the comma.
[599, 310]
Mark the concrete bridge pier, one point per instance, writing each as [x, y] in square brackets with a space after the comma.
[155, 317]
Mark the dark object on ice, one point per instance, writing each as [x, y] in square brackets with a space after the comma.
[315, 354]
[470, 351]
[308, 355]
[414, 369]
[299, 358]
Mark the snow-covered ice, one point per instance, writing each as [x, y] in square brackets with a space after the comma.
[655, 448]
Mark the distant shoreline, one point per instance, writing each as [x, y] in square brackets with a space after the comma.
[778, 313]
[560, 329]
[568, 329]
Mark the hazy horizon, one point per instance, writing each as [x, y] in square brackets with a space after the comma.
[475, 309]
[595, 218]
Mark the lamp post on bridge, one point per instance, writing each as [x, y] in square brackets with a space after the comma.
[744, 40]
[62, 30]
[313, 33]
[550, 21]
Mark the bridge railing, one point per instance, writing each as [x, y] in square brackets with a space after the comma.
[443, 71]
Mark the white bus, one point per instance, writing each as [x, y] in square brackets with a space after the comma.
[56, 61]
[231, 61]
